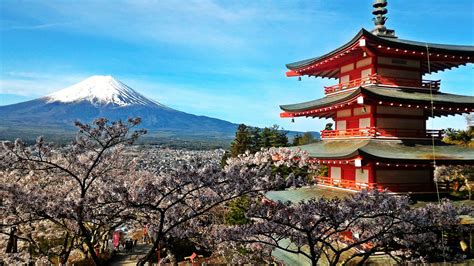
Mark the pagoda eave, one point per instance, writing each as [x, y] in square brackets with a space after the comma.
[443, 104]
[394, 153]
[292, 73]
[441, 56]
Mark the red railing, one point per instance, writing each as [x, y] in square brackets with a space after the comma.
[377, 79]
[350, 184]
[394, 187]
[373, 132]
[425, 84]
[351, 132]
[371, 79]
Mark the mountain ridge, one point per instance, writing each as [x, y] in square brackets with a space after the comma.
[103, 96]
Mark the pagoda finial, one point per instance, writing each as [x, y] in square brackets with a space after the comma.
[380, 11]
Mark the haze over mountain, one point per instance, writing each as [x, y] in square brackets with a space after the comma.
[104, 96]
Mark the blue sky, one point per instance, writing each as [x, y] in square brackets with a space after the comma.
[223, 59]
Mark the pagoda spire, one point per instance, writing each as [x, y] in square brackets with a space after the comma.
[379, 12]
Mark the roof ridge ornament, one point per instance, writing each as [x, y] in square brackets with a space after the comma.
[380, 11]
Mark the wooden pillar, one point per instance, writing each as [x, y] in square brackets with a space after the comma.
[371, 168]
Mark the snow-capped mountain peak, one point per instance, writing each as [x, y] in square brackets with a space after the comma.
[100, 90]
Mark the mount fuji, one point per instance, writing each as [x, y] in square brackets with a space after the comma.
[104, 96]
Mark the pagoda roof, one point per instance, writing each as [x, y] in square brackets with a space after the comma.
[296, 195]
[463, 53]
[378, 93]
[322, 102]
[304, 63]
[398, 151]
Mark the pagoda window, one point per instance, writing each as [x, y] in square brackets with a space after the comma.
[343, 113]
[344, 79]
[366, 109]
[362, 175]
[364, 62]
[341, 125]
[365, 73]
[335, 172]
[347, 68]
[364, 122]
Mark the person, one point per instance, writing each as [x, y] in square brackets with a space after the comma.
[128, 245]
[145, 234]
[116, 240]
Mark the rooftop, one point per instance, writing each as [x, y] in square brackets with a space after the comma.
[442, 56]
[393, 151]
[444, 103]
[296, 195]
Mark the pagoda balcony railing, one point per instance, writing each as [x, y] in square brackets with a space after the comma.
[373, 132]
[387, 81]
[355, 185]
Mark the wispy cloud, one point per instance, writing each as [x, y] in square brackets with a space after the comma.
[33, 84]
[224, 25]
[31, 27]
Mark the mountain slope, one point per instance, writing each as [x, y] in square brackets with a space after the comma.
[103, 96]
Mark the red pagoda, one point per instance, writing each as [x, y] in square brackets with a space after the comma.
[380, 107]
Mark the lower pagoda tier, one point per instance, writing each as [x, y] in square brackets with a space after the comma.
[376, 111]
[396, 165]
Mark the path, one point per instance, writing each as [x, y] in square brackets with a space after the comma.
[130, 258]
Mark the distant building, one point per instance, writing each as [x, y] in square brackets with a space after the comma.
[380, 107]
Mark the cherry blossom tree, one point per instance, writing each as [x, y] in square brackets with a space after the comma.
[67, 193]
[180, 187]
[82, 191]
[339, 230]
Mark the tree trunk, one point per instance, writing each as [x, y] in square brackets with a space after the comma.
[91, 251]
[150, 253]
[64, 255]
[87, 239]
[314, 256]
[12, 242]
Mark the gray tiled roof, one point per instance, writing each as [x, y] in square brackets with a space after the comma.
[402, 151]
[383, 93]
[466, 50]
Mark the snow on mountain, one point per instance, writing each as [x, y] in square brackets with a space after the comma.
[100, 90]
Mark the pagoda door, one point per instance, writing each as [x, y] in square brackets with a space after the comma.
[348, 172]
[352, 123]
